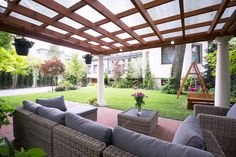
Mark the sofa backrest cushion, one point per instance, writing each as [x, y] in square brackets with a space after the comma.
[31, 106]
[57, 102]
[189, 133]
[232, 112]
[146, 146]
[52, 114]
[88, 127]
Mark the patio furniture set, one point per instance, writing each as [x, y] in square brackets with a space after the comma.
[62, 133]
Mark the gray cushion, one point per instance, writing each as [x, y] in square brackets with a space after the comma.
[52, 114]
[88, 127]
[232, 112]
[82, 110]
[31, 106]
[146, 146]
[189, 133]
[57, 102]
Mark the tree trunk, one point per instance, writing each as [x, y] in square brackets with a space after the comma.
[15, 80]
[178, 64]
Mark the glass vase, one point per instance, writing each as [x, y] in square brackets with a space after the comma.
[139, 110]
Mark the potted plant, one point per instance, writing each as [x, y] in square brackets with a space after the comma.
[88, 58]
[6, 111]
[22, 46]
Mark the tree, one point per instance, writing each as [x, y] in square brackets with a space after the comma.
[52, 68]
[148, 81]
[54, 52]
[6, 40]
[117, 71]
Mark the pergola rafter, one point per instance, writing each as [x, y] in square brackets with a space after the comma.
[181, 6]
[229, 23]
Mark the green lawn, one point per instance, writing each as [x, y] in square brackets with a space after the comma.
[167, 105]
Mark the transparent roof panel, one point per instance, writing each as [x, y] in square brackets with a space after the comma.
[133, 20]
[117, 7]
[151, 38]
[38, 8]
[90, 14]
[93, 42]
[123, 35]
[25, 18]
[164, 10]
[146, 1]
[107, 39]
[174, 34]
[118, 45]
[219, 26]
[2, 10]
[71, 23]
[78, 37]
[133, 42]
[110, 27]
[142, 31]
[197, 30]
[92, 32]
[200, 18]
[190, 5]
[67, 3]
[228, 12]
[169, 25]
[56, 29]
[105, 47]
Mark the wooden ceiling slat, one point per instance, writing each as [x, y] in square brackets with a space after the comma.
[218, 15]
[181, 6]
[64, 11]
[8, 12]
[138, 5]
[229, 23]
[110, 16]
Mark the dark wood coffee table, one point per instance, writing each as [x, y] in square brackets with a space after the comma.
[144, 124]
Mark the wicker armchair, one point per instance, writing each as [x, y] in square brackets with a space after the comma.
[214, 119]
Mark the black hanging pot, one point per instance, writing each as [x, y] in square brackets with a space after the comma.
[22, 46]
[88, 58]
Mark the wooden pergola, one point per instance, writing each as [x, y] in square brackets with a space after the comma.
[67, 23]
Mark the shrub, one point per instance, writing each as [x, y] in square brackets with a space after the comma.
[60, 88]
[93, 101]
[169, 87]
[72, 88]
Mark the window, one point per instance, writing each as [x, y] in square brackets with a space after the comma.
[163, 81]
[89, 69]
[95, 69]
[196, 53]
[167, 54]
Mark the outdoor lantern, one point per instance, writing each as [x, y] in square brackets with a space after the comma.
[88, 58]
[22, 46]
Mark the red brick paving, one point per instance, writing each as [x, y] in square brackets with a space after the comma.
[165, 129]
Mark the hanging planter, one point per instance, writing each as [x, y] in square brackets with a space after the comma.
[88, 58]
[22, 46]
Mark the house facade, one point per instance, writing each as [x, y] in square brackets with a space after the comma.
[160, 61]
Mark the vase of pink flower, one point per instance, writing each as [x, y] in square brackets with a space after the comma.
[139, 96]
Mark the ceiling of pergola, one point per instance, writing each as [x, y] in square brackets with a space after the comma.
[111, 26]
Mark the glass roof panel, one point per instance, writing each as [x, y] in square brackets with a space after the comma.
[118, 44]
[25, 18]
[151, 38]
[93, 42]
[228, 12]
[197, 30]
[174, 34]
[219, 26]
[110, 27]
[169, 25]
[117, 7]
[200, 18]
[71, 23]
[67, 3]
[146, 1]
[164, 10]
[105, 47]
[133, 42]
[92, 32]
[123, 35]
[142, 31]
[190, 5]
[133, 20]
[38, 8]
[2, 10]
[90, 14]
[107, 39]
[78, 37]
[56, 29]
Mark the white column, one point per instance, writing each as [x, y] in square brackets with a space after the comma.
[101, 100]
[222, 80]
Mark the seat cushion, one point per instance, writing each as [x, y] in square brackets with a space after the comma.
[189, 133]
[31, 106]
[88, 127]
[146, 146]
[232, 112]
[52, 114]
[82, 110]
[57, 102]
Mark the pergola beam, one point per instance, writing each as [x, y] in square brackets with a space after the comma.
[181, 6]
[229, 23]
[218, 15]
[138, 4]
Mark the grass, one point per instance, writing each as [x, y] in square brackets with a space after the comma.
[167, 105]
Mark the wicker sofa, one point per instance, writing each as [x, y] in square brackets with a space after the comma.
[214, 119]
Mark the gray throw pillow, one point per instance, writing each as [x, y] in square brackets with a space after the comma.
[52, 114]
[146, 146]
[88, 127]
[232, 112]
[31, 106]
[189, 133]
[57, 102]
